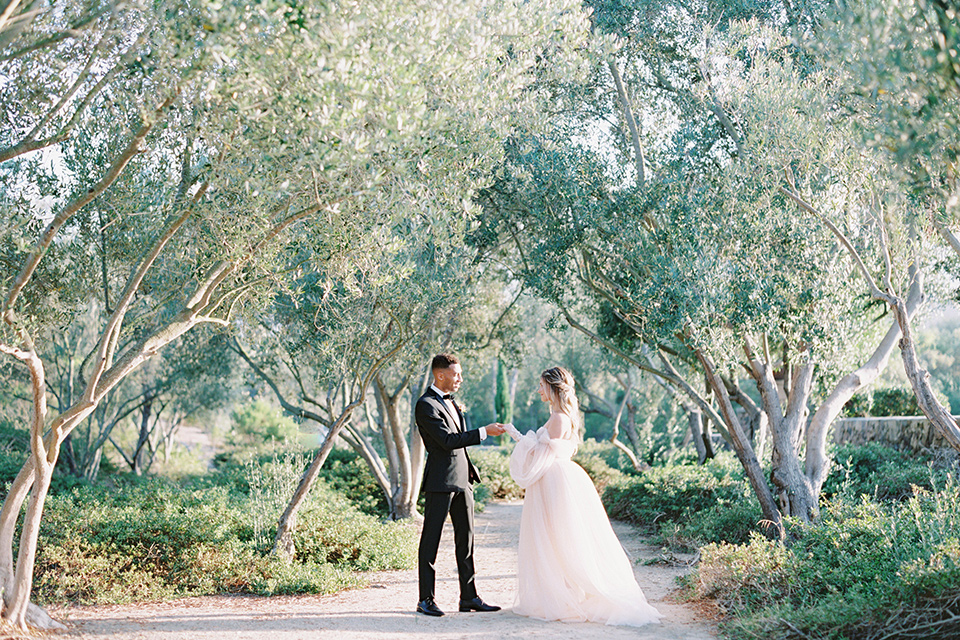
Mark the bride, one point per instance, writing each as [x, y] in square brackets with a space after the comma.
[570, 564]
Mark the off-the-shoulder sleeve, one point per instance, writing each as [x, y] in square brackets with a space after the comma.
[531, 457]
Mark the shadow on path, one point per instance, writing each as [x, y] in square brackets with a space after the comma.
[385, 609]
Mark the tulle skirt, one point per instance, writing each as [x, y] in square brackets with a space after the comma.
[571, 565]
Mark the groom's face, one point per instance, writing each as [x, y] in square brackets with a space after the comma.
[448, 380]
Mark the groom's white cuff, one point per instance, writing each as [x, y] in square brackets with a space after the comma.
[483, 433]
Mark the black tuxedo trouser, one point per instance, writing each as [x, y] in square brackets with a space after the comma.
[436, 506]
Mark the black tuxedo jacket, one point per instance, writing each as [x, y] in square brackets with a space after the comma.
[448, 467]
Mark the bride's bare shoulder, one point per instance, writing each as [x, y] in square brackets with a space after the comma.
[559, 425]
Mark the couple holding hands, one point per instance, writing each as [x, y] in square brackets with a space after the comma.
[570, 564]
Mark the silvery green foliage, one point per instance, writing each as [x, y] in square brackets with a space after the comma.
[796, 278]
[707, 248]
[182, 160]
[374, 116]
[901, 64]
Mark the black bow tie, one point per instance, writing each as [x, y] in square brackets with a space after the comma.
[447, 396]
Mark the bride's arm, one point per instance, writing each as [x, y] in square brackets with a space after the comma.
[532, 456]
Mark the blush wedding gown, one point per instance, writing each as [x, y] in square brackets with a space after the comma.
[570, 564]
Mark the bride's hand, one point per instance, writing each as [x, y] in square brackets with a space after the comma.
[511, 431]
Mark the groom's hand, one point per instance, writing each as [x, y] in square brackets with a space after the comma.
[495, 429]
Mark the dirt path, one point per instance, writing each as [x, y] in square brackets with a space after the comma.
[385, 609]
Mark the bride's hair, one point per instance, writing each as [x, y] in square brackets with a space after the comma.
[560, 383]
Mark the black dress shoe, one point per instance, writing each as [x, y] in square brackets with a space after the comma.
[476, 605]
[430, 608]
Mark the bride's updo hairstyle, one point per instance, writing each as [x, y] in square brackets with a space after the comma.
[560, 384]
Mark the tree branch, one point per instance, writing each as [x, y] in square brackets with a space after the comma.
[639, 160]
[874, 290]
[46, 240]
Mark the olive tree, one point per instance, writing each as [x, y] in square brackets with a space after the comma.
[691, 258]
[216, 144]
[898, 90]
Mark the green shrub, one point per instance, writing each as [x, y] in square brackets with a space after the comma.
[886, 402]
[277, 576]
[359, 543]
[259, 422]
[611, 455]
[875, 470]
[745, 576]
[842, 578]
[493, 463]
[150, 539]
[14, 450]
[343, 470]
[894, 401]
[348, 474]
[676, 496]
[595, 464]
[728, 520]
[858, 406]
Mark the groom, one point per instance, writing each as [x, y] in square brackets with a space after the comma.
[446, 484]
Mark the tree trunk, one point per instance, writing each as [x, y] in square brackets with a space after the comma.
[418, 453]
[92, 469]
[796, 494]
[403, 499]
[632, 126]
[19, 599]
[817, 462]
[745, 453]
[70, 456]
[756, 418]
[708, 438]
[387, 407]
[614, 436]
[34, 478]
[936, 413]
[8, 525]
[144, 434]
[695, 421]
[630, 427]
[283, 543]
[762, 435]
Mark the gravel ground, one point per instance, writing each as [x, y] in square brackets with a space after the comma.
[385, 609]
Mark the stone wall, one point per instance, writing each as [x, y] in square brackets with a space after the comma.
[905, 433]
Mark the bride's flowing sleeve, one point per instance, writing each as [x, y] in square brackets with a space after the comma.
[531, 457]
[512, 431]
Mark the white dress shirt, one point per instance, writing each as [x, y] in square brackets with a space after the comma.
[482, 430]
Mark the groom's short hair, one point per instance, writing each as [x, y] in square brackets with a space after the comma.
[443, 361]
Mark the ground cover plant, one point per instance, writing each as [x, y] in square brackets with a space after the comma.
[687, 505]
[883, 562]
[146, 539]
[869, 570]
